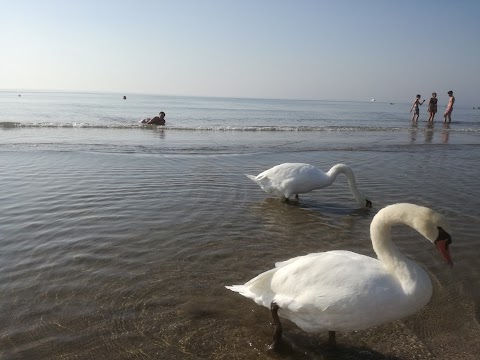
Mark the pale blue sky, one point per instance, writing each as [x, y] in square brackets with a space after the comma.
[298, 49]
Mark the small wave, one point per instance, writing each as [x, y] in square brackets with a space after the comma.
[8, 125]
[233, 128]
[284, 128]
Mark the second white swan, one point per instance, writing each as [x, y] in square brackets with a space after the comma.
[296, 178]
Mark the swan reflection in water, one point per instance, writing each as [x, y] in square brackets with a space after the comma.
[308, 214]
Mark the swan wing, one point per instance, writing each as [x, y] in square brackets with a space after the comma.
[291, 178]
[336, 290]
[325, 280]
[319, 280]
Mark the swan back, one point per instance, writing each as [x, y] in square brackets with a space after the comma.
[291, 178]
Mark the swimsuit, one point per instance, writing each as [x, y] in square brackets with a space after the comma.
[432, 105]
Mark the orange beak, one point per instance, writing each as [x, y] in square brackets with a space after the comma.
[442, 246]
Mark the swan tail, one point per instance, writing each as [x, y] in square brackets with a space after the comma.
[237, 288]
[268, 185]
[245, 291]
[251, 177]
[258, 289]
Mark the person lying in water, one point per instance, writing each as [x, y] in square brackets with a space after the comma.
[157, 120]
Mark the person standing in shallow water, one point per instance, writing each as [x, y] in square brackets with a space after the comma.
[415, 109]
[157, 120]
[449, 109]
[432, 106]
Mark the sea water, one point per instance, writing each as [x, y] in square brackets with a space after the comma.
[117, 239]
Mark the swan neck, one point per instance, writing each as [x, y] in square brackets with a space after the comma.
[404, 270]
[344, 169]
[387, 252]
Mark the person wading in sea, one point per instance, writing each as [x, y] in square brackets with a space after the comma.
[449, 109]
[415, 109]
[432, 106]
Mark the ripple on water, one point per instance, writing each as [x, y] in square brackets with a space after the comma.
[126, 256]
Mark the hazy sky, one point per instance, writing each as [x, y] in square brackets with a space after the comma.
[299, 49]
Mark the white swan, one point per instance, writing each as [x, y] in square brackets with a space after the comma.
[346, 291]
[297, 178]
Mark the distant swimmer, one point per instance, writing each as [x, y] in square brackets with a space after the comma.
[124, 97]
[157, 120]
[449, 109]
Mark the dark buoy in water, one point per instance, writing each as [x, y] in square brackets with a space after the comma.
[124, 97]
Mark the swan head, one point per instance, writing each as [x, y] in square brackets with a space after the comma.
[363, 201]
[434, 227]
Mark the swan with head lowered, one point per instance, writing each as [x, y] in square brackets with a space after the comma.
[296, 178]
[345, 291]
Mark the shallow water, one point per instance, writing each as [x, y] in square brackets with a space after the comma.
[108, 255]
[117, 243]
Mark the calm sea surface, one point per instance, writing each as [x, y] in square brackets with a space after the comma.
[116, 240]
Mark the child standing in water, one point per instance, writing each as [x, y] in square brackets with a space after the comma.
[432, 106]
[415, 109]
